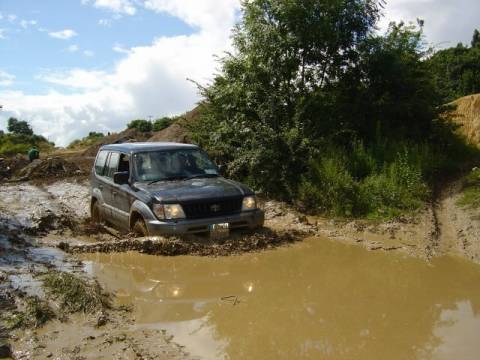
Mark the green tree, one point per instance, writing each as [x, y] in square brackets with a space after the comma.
[141, 125]
[289, 53]
[476, 39]
[456, 70]
[18, 127]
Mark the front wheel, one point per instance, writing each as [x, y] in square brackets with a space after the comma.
[140, 229]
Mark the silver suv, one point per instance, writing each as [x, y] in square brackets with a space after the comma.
[168, 188]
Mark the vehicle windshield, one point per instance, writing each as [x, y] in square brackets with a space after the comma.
[179, 164]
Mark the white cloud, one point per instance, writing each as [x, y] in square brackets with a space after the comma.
[73, 48]
[149, 80]
[105, 22]
[88, 53]
[2, 33]
[26, 23]
[6, 79]
[119, 48]
[78, 79]
[446, 22]
[118, 6]
[11, 18]
[63, 35]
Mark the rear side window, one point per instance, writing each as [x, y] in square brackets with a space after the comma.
[112, 165]
[100, 163]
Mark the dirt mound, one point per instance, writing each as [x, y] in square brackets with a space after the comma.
[234, 245]
[9, 166]
[174, 133]
[467, 115]
[128, 135]
[46, 168]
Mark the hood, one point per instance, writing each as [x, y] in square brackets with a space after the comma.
[195, 189]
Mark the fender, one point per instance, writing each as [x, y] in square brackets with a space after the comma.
[143, 209]
[97, 194]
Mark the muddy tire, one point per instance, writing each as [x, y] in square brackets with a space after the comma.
[95, 213]
[139, 228]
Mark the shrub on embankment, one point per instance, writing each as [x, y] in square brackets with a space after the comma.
[324, 112]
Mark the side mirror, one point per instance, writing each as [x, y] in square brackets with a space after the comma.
[121, 178]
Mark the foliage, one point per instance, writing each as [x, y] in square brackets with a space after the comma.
[140, 125]
[471, 190]
[325, 112]
[91, 139]
[11, 144]
[162, 123]
[357, 182]
[19, 127]
[457, 70]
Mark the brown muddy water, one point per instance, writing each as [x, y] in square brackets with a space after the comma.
[315, 300]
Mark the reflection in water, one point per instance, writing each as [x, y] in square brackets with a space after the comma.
[316, 300]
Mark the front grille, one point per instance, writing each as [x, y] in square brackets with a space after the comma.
[212, 208]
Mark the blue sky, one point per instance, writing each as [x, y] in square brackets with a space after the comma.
[69, 67]
[29, 50]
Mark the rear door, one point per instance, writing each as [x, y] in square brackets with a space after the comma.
[98, 182]
[121, 196]
[108, 185]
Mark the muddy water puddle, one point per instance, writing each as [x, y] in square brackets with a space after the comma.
[315, 300]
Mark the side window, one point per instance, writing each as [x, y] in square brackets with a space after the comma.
[100, 163]
[124, 165]
[112, 164]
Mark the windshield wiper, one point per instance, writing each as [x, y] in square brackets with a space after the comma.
[200, 176]
[170, 178]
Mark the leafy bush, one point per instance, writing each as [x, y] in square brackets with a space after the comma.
[91, 139]
[11, 144]
[163, 123]
[355, 183]
[471, 190]
[326, 112]
[140, 125]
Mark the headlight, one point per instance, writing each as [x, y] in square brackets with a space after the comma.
[169, 211]
[249, 203]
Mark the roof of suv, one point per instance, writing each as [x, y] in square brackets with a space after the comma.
[137, 147]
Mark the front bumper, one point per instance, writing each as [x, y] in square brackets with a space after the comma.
[244, 220]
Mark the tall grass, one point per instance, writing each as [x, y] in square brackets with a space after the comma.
[380, 181]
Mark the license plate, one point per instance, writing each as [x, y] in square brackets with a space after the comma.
[219, 231]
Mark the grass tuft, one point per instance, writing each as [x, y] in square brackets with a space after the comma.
[471, 190]
[75, 294]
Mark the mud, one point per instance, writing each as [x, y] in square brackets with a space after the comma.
[317, 299]
[236, 244]
[36, 321]
[44, 227]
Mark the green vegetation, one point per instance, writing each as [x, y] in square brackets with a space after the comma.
[75, 294]
[457, 70]
[162, 123]
[322, 111]
[471, 190]
[21, 138]
[92, 139]
[140, 125]
[147, 126]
